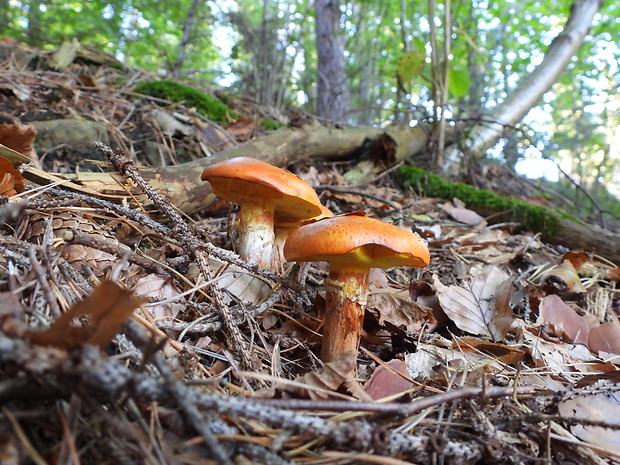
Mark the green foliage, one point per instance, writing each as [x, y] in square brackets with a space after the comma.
[458, 80]
[533, 217]
[410, 65]
[143, 33]
[270, 125]
[205, 104]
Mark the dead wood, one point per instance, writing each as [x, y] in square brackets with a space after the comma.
[181, 184]
[589, 237]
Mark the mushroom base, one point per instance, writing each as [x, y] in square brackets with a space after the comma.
[346, 296]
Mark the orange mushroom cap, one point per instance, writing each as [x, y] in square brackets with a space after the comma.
[242, 178]
[356, 240]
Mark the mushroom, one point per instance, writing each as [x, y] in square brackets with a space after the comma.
[352, 244]
[283, 227]
[262, 191]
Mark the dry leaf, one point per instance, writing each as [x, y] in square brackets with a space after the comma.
[567, 274]
[159, 288]
[430, 360]
[334, 374]
[553, 310]
[596, 407]
[12, 181]
[559, 358]
[578, 259]
[482, 305]
[17, 136]
[614, 274]
[241, 283]
[502, 352]
[458, 211]
[108, 308]
[386, 383]
[605, 338]
[395, 306]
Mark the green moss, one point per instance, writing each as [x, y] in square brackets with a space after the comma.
[270, 125]
[533, 217]
[205, 104]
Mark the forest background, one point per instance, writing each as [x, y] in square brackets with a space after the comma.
[446, 65]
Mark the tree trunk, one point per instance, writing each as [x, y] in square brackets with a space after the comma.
[333, 91]
[530, 90]
[187, 33]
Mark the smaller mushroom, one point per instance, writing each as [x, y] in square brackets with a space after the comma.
[352, 244]
[283, 227]
[262, 191]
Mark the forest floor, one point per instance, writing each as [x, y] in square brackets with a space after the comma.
[115, 349]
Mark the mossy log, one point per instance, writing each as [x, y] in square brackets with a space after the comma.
[556, 226]
[181, 184]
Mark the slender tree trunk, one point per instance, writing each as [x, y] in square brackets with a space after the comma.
[4, 15]
[529, 91]
[187, 33]
[34, 22]
[333, 90]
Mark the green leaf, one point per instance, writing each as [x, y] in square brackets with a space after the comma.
[409, 65]
[458, 80]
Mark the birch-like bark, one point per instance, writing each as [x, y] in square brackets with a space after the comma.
[530, 90]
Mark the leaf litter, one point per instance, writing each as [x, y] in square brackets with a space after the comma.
[481, 357]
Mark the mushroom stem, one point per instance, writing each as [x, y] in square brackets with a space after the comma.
[256, 234]
[345, 304]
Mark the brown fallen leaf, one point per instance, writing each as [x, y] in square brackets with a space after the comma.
[502, 352]
[108, 308]
[395, 306]
[386, 382]
[456, 209]
[605, 338]
[160, 288]
[554, 311]
[482, 305]
[11, 179]
[334, 374]
[577, 258]
[567, 274]
[17, 136]
[596, 407]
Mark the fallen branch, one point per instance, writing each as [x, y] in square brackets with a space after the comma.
[181, 184]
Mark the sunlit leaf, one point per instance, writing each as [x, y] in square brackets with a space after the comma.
[458, 80]
[409, 65]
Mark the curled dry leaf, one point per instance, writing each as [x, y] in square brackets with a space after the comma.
[17, 136]
[108, 308]
[66, 225]
[482, 305]
[554, 311]
[577, 258]
[11, 180]
[567, 274]
[603, 407]
[335, 374]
